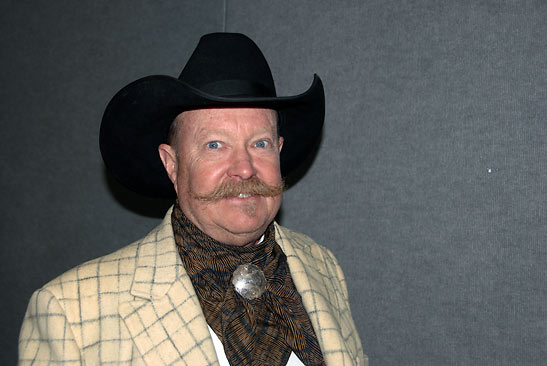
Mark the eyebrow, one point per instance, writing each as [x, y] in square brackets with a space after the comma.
[203, 132]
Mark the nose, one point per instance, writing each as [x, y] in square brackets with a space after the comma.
[241, 165]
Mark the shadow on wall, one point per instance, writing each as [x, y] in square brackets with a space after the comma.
[300, 171]
[137, 203]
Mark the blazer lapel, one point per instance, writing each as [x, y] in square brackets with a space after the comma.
[315, 284]
[165, 319]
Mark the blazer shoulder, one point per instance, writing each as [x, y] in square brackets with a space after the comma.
[118, 264]
[303, 242]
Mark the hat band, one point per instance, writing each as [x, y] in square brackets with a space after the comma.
[232, 88]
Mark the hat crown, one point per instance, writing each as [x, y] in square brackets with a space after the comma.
[229, 65]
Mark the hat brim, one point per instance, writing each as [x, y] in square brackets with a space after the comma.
[137, 121]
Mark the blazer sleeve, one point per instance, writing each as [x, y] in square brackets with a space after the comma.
[46, 337]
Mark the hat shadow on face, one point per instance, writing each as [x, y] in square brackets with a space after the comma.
[137, 203]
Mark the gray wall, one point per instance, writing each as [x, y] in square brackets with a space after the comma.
[429, 185]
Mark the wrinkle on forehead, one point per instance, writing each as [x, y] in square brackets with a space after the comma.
[180, 120]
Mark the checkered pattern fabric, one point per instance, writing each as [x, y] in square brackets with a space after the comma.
[137, 306]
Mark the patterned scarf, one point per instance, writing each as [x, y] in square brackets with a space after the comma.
[262, 331]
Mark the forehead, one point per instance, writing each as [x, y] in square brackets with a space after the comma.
[220, 119]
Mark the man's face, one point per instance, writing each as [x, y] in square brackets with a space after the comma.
[236, 150]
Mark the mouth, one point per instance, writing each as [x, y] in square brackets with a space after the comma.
[242, 198]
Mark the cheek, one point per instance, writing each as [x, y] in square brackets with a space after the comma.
[184, 178]
[202, 178]
[271, 172]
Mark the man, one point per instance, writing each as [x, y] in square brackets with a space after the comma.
[218, 281]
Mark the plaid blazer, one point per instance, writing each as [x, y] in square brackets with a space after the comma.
[137, 306]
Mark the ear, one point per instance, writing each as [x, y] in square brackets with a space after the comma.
[280, 143]
[168, 157]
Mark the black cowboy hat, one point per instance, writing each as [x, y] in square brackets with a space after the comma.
[225, 70]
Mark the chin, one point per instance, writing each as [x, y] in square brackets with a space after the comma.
[239, 217]
[247, 225]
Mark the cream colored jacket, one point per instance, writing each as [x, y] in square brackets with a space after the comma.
[137, 306]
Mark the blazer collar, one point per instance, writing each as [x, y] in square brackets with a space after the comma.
[158, 264]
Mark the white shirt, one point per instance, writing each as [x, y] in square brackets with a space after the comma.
[219, 349]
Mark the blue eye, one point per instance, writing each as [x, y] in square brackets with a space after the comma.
[214, 145]
[262, 143]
